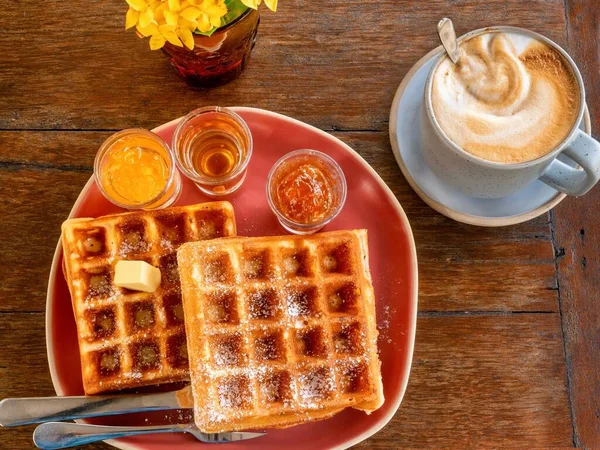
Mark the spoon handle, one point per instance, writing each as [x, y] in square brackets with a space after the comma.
[55, 435]
[448, 38]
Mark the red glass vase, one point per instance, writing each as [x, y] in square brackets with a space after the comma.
[219, 58]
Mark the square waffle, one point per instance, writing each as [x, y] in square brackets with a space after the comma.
[281, 330]
[126, 338]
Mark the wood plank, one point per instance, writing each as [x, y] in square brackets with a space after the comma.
[577, 234]
[37, 201]
[487, 287]
[476, 381]
[24, 370]
[23, 345]
[483, 382]
[72, 66]
[59, 149]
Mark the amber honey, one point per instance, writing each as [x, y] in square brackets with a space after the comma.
[215, 154]
[135, 170]
[213, 147]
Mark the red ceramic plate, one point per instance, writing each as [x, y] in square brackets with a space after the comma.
[393, 260]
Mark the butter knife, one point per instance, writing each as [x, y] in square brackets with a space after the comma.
[25, 411]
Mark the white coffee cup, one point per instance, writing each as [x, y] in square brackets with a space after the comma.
[487, 179]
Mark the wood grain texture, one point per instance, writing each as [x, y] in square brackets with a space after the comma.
[87, 72]
[37, 201]
[476, 382]
[577, 239]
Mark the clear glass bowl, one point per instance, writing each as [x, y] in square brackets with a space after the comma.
[337, 189]
[213, 132]
[137, 137]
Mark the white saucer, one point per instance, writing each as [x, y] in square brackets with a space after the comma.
[526, 204]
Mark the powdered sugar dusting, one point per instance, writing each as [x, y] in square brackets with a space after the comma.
[384, 324]
[234, 393]
[228, 352]
[316, 385]
[295, 353]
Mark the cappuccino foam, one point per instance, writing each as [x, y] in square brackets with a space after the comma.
[510, 99]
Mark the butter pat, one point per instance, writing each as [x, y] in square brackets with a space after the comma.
[137, 276]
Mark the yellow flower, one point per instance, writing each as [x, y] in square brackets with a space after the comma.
[271, 4]
[139, 12]
[175, 21]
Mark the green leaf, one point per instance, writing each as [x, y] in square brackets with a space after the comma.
[236, 9]
[206, 33]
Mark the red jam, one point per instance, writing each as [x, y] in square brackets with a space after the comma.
[304, 190]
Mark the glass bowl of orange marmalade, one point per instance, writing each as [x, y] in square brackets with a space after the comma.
[306, 189]
[135, 169]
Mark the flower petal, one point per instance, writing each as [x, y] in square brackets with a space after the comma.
[150, 30]
[271, 4]
[138, 5]
[174, 5]
[187, 38]
[146, 17]
[251, 3]
[187, 24]
[171, 18]
[215, 21]
[204, 23]
[172, 38]
[131, 18]
[165, 28]
[190, 13]
[157, 41]
[216, 11]
[160, 10]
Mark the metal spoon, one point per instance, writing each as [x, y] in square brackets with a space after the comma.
[55, 435]
[448, 38]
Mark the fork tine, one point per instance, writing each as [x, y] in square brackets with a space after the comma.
[226, 437]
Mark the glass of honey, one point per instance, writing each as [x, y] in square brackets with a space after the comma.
[213, 147]
[306, 189]
[135, 169]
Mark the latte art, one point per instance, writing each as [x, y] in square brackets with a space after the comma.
[510, 99]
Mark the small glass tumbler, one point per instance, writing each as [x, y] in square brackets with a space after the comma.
[306, 189]
[135, 169]
[219, 58]
[213, 147]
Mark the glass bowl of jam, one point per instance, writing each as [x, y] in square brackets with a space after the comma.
[306, 190]
[135, 169]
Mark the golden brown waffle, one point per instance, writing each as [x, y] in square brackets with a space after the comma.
[281, 330]
[129, 339]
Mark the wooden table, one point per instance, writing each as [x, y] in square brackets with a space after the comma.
[508, 338]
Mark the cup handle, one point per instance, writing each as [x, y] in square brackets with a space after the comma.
[585, 151]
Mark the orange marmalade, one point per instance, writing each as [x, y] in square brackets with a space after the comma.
[306, 188]
[134, 169]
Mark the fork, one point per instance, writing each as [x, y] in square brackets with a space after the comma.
[55, 435]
